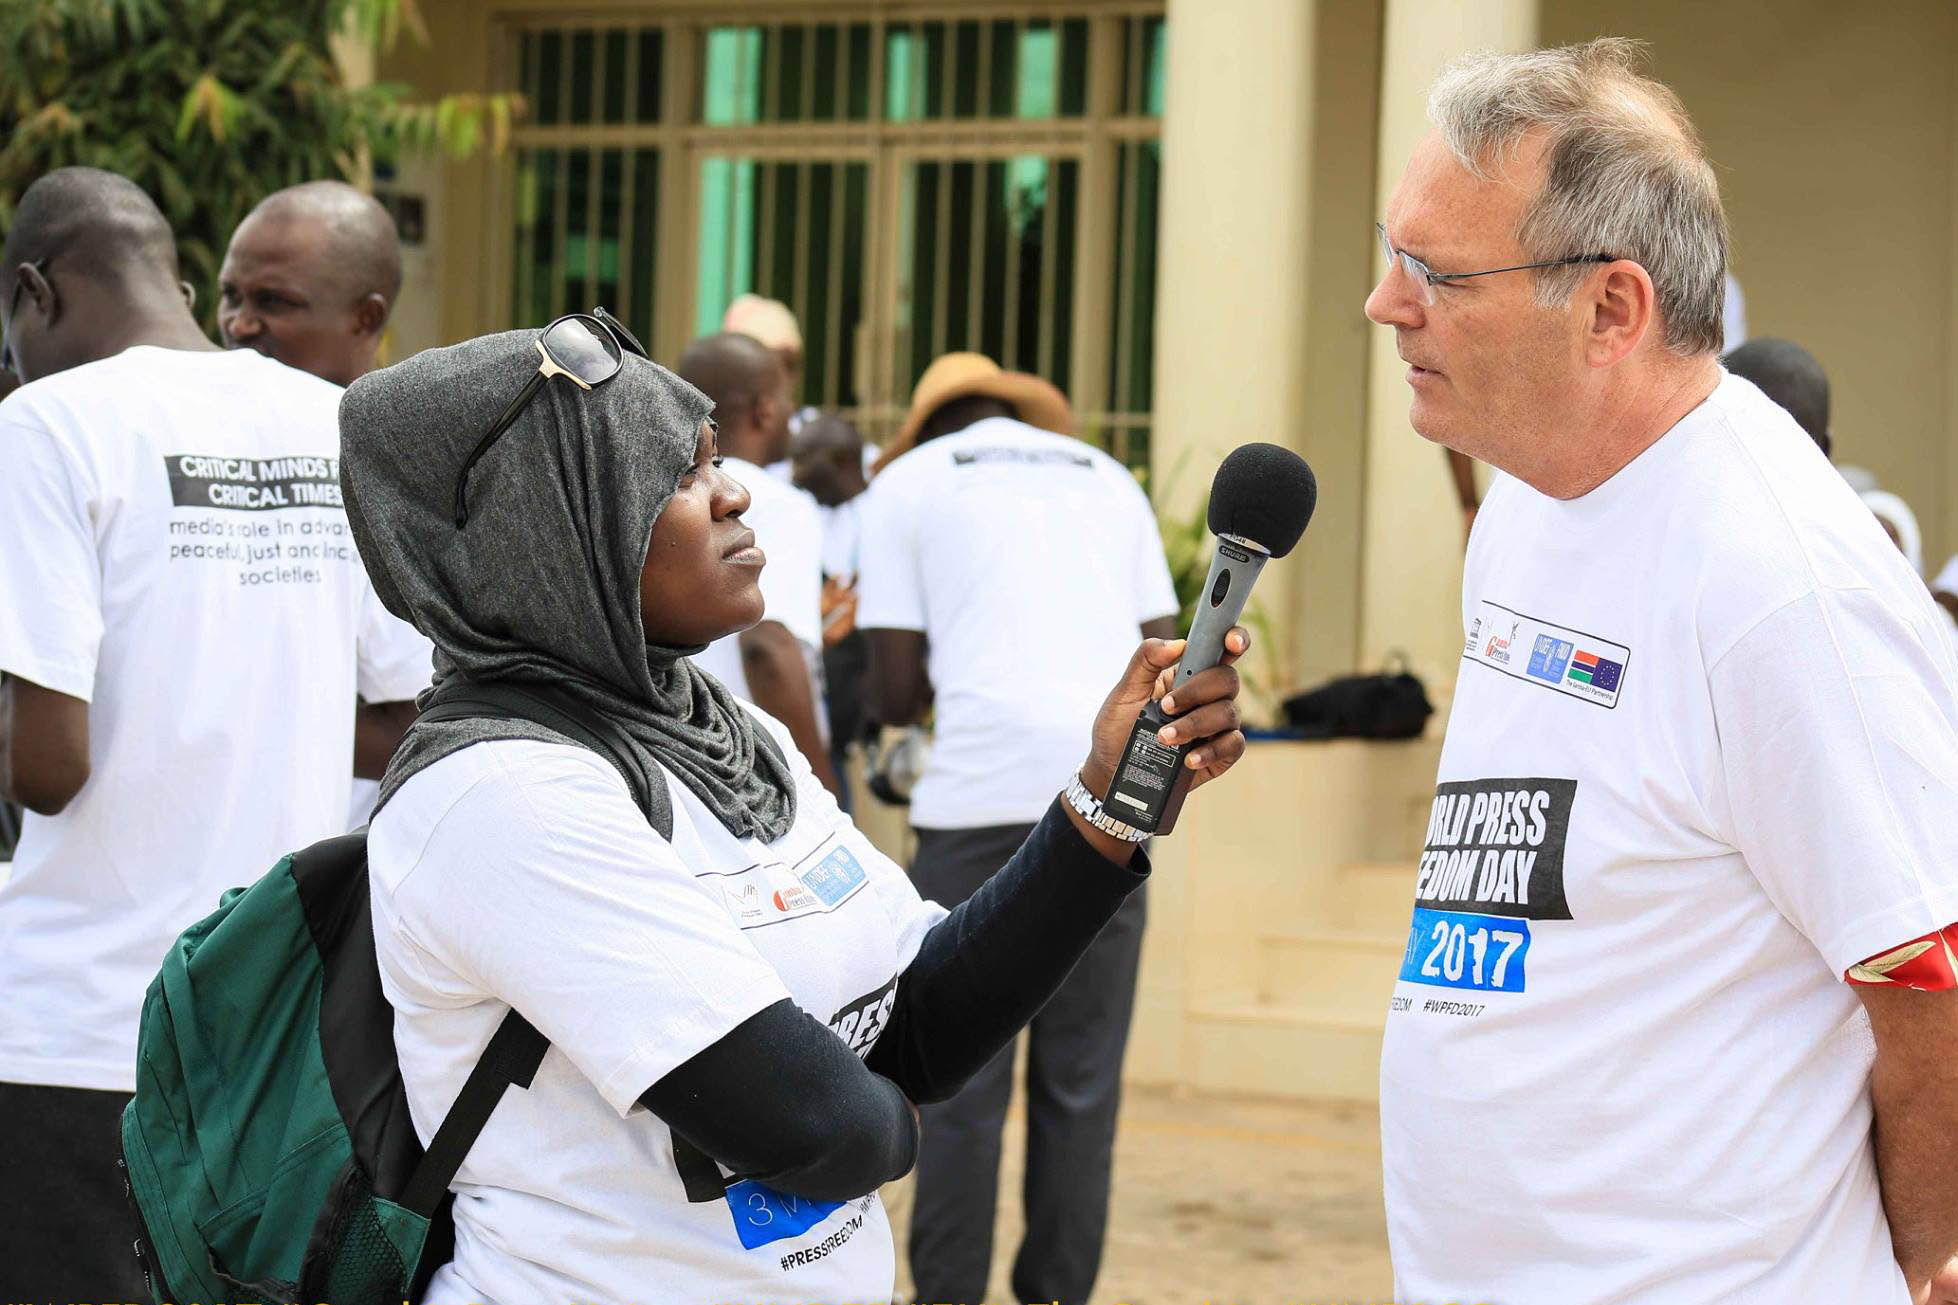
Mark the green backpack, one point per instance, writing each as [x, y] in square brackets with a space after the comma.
[268, 1149]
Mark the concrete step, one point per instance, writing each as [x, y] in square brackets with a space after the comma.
[1291, 1049]
[1372, 896]
[1351, 974]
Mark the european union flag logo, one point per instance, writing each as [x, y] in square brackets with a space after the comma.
[1599, 672]
[1550, 657]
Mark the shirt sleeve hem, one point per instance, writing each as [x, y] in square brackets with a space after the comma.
[1880, 931]
[73, 679]
[649, 1062]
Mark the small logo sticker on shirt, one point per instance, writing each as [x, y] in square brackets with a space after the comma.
[1549, 658]
[745, 901]
[1498, 649]
[794, 898]
[835, 877]
[1596, 671]
[763, 1215]
[1575, 663]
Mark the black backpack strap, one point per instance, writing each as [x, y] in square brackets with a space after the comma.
[461, 699]
[513, 1055]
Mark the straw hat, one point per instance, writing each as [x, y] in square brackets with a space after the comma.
[961, 375]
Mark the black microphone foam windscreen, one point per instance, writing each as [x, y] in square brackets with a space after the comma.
[1265, 494]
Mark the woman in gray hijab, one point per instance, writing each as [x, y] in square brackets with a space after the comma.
[740, 1014]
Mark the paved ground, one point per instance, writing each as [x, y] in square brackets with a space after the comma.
[1223, 1201]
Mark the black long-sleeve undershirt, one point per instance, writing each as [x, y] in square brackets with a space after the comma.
[986, 969]
[781, 1099]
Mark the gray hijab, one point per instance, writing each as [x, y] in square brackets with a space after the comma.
[543, 583]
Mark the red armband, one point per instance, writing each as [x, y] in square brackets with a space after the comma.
[1928, 964]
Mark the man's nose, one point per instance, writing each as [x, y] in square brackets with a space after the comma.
[1392, 303]
[239, 323]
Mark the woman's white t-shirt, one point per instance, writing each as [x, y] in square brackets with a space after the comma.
[522, 872]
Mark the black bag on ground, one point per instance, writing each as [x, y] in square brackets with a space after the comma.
[1390, 705]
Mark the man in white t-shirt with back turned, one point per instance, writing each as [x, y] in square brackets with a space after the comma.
[1005, 569]
[184, 623]
[1676, 1020]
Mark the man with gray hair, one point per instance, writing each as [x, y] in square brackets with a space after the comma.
[1691, 845]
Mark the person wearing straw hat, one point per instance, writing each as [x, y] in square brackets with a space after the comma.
[991, 540]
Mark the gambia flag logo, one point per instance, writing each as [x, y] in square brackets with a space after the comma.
[1601, 673]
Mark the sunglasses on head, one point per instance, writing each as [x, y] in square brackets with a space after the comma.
[588, 349]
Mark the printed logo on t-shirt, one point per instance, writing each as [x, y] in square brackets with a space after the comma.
[1497, 649]
[1497, 846]
[861, 1020]
[763, 1215]
[261, 552]
[835, 877]
[253, 484]
[794, 898]
[744, 900]
[1494, 861]
[1029, 457]
[1566, 661]
[772, 892]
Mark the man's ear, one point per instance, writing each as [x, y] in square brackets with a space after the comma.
[371, 314]
[1624, 307]
[40, 290]
[190, 295]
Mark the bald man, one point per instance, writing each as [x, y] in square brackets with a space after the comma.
[771, 665]
[184, 627]
[310, 278]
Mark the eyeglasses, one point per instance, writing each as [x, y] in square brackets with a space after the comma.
[587, 349]
[1425, 280]
[7, 324]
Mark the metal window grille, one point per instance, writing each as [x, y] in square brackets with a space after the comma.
[967, 178]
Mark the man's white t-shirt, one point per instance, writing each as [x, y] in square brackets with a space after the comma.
[842, 529]
[790, 533]
[1029, 561]
[521, 872]
[172, 551]
[1703, 758]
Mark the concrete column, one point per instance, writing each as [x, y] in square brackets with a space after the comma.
[1231, 306]
[1411, 570]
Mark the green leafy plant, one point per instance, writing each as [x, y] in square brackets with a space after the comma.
[210, 105]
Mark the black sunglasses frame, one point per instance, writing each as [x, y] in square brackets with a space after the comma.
[622, 339]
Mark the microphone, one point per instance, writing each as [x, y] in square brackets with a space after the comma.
[1260, 502]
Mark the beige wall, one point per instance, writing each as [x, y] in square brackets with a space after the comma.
[1411, 572]
[445, 289]
[1834, 127]
[1232, 255]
